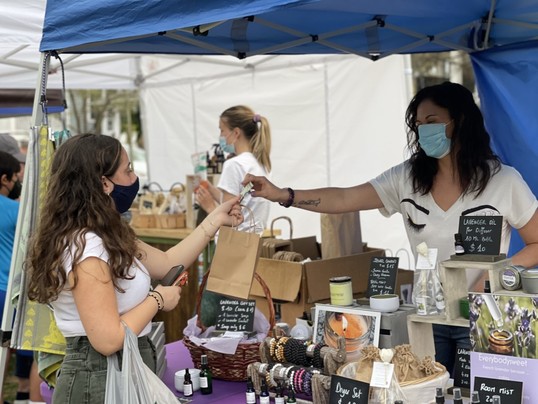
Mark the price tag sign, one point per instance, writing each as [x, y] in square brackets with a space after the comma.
[382, 276]
[235, 315]
[510, 391]
[462, 369]
[481, 234]
[348, 391]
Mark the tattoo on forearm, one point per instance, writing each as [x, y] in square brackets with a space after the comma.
[313, 202]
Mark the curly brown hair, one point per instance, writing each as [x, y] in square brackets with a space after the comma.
[76, 204]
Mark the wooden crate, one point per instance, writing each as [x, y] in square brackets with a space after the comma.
[174, 221]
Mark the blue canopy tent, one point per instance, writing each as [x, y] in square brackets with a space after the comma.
[499, 35]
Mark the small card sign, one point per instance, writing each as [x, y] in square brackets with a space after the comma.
[235, 315]
[348, 391]
[481, 234]
[462, 369]
[382, 277]
[510, 391]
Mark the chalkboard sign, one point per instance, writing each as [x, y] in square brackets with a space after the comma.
[235, 315]
[510, 391]
[382, 277]
[348, 391]
[462, 369]
[481, 234]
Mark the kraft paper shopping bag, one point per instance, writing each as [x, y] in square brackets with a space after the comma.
[234, 262]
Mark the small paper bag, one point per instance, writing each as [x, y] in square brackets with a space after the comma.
[234, 262]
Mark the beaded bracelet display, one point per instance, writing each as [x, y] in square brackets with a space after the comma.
[316, 360]
[279, 351]
[307, 382]
[272, 349]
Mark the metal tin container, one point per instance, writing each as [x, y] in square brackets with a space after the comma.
[510, 277]
[529, 280]
[341, 291]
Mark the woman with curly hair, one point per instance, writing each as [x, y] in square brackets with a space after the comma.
[86, 262]
[452, 172]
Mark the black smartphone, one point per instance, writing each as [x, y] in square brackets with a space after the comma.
[174, 276]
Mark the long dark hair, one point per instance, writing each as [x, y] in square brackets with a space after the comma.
[473, 158]
[76, 204]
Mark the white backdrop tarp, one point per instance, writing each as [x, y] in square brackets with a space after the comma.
[335, 121]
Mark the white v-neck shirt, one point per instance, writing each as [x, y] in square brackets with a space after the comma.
[506, 195]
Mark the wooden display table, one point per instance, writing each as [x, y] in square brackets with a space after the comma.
[454, 281]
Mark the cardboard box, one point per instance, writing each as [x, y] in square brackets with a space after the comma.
[295, 287]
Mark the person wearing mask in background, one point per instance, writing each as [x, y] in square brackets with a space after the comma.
[25, 366]
[248, 136]
[10, 145]
[86, 262]
[452, 172]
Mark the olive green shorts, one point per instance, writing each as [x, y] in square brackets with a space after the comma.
[82, 377]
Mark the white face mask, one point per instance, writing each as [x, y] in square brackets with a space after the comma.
[433, 140]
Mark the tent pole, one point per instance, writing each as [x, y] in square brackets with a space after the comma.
[9, 310]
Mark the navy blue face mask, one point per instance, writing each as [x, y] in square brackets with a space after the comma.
[124, 195]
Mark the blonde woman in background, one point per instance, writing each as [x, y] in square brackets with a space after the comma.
[248, 136]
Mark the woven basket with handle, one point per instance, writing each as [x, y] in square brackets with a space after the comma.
[225, 366]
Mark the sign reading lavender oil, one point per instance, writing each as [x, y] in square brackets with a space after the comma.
[348, 391]
[481, 234]
[382, 276]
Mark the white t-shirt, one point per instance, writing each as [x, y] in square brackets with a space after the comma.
[136, 289]
[506, 195]
[233, 172]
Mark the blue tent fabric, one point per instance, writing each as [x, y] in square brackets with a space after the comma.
[500, 35]
[282, 26]
[507, 82]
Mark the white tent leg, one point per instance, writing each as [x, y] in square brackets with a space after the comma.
[9, 312]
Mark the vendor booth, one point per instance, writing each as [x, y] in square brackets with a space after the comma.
[313, 360]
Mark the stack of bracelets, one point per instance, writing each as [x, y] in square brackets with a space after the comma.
[297, 352]
[297, 378]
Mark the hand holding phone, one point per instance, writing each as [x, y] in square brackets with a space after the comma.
[177, 276]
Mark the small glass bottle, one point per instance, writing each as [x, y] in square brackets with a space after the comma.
[475, 397]
[264, 393]
[487, 286]
[251, 394]
[187, 384]
[206, 378]
[439, 396]
[496, 399]
[458, 244]
[279, 397]
[457, 396]
[291, 397]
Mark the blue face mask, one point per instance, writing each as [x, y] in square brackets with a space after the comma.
[124, 195]
[228, 148]
[433, 140]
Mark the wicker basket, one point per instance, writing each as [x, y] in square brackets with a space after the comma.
[225, 366]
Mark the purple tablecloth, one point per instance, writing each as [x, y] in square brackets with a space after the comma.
[177, 358]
